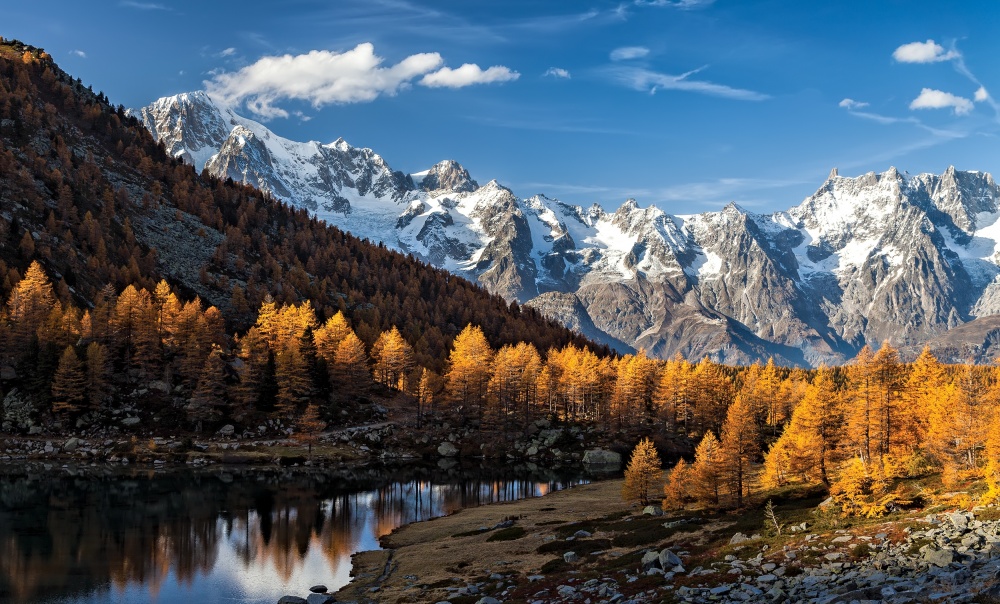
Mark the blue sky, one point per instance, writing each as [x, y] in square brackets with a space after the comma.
[685, 104]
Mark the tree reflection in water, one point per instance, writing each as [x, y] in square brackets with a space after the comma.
[243, 535]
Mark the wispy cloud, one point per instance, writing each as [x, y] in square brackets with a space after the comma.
[887, 120]
[679, 4]
[78, 53]
[557, 72]
[712, 192]
[938, 99]
[629, 52]
[651, 81]
[323, 77]
[852, 104]
[143, 5]
[228, 52]
[924, 52]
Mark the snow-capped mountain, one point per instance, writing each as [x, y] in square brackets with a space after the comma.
[878, 257]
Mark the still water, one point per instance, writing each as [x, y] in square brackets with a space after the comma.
[90, 536]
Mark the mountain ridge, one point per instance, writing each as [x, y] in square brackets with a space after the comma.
[880, 256]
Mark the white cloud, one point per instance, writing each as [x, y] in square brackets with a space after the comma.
[78, 53]
[651, 81]
[923, 52]
[981, 95]
[467, 75]
[557, 72]
[323, 77]
[228, 52]
[937, 99]
[629, 52]
[851, 104]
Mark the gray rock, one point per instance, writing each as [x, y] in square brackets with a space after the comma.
[130, 421]
[487, 600]
[318, 589]
[939, 557]
[292, 600]
[446, 449]
[581, 534]
[652, 510]
[227, 430]
[669, 559]
[159, 386]
[319, 599]
[71, 445]
[651, 560]
[571, 557]
[738, 538]
[601, 457]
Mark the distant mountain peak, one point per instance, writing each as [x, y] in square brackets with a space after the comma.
[448, 175]
[864, 258]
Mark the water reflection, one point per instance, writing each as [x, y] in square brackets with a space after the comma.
[226, 535]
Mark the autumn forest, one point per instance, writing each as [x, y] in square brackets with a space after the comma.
[128, 280]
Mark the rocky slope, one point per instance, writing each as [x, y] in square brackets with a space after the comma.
[878, 257]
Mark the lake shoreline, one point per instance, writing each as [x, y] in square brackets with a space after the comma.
[436, 559]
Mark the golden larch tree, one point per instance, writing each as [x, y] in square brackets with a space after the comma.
[393, 358]
[469, 368]
[739, 448]
[643, 474]
[706, 472]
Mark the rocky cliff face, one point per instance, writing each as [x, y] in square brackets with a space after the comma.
[878, 257]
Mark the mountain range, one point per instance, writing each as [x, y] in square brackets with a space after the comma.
[912, 259]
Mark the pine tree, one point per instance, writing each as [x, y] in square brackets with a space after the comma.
[863, 415]
[643, 473]
[678, 486]
[469, 368]
[393, 358]
[292, 376]
[349, 370]
[309, 427]
[923, 386]
[98, 371]
[209, 398]
[330, 335]
[740, 448]
[706, 472]
[68, 384]
[28, 307]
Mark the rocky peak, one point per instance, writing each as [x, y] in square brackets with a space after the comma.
[448, 175]
[191, 125]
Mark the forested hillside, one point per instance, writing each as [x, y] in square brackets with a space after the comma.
[87, 193]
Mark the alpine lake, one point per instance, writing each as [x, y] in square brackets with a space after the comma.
[81, 534]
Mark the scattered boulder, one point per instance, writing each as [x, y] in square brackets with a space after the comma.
[71, 445]
[651, 560]
[292, 600]
[669, 559]
[571, 557]
[446, 449]
[130, 421]
[160, 386]
[227, 430]
[939, 557]
[652, 510]
[601, 457]
[319, 599]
